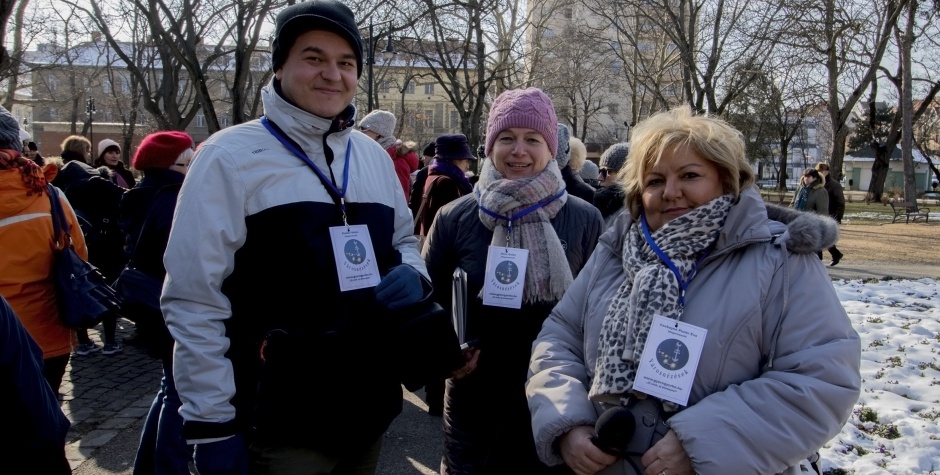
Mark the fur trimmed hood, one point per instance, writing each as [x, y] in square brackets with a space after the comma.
[809, 232]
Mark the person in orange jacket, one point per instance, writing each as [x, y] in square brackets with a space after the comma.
[28, 243]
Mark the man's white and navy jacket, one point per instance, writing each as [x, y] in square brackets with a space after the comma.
[252, 295]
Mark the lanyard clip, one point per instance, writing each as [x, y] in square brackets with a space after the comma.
[342, 208]
[508, 232]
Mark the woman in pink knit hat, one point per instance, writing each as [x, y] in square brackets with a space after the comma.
[520, 241]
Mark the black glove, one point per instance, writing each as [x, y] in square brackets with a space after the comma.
[400, 288]
[225, 457]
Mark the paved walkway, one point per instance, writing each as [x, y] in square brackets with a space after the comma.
[107, 399]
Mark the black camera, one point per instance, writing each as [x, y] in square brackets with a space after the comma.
[629, 431]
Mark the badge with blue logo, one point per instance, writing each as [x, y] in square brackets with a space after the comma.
[670, 360]
[505, 276]
[355, 258]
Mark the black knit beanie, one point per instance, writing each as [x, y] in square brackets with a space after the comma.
[297, 19]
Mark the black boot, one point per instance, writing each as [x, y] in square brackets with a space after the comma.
[836, 256]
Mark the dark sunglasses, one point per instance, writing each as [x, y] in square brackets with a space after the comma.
[603, 172]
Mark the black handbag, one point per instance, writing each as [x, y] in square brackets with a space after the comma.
[84, 296]
[136, 288]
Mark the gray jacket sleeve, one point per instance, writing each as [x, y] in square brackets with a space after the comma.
[557, 388]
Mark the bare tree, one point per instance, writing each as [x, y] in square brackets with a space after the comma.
[700, 45]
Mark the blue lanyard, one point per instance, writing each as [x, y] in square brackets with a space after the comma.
[525, 211]
[683, 283]
[293, 147]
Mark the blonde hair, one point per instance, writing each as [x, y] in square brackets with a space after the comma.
[710, 137]
[76, 143]
[578, 154]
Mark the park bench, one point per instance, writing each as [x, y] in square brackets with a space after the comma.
[909, 211]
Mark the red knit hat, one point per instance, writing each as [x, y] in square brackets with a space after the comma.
[161, 149]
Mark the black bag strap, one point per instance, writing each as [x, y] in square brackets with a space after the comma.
[59, 223]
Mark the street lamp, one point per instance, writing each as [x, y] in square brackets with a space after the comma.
[90, 110]
[387, 54]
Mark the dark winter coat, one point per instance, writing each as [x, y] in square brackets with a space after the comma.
[576, 186]
[95, 198]
[836, 199]
[488, 408]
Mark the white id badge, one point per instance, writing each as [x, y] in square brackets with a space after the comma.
[670, 360]
[505, 276]
[355, 258]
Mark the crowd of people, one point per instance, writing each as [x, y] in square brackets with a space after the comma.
[653, 285]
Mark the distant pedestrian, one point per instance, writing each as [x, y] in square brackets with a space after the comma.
[836, 205]
[95, 199]
[380, 126]
[32, 152]
[146, 216]
[109, 155]
[420, 177]
[610, 197]
[574, 185]
[589, 172]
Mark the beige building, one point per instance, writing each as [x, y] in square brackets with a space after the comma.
[61, 87]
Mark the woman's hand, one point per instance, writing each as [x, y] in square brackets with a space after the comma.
[580, 454]
[667, 457]
[470, 356]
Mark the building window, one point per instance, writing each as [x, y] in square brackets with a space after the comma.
[53, 83]
[224, 121]
[568, 13]
[616, 66]
[428, 118]
[410, 87]
[106, 86]
[429, 89]
[200, 120]
[613, 109]
[454, 120]
[548, 33]
[125, 85]
[383, 87]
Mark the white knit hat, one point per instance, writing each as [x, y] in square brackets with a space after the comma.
[104, 144]
[380, 122]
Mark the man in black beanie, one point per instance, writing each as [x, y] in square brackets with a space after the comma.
[290, 257]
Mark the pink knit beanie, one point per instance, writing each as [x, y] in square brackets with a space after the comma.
[528, 108]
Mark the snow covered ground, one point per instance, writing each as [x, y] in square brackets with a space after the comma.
[895, 427]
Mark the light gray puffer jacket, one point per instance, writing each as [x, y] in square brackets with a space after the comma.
[779, 372]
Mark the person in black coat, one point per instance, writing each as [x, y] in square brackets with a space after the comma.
[421, 176]
[146, 216]
[36, 426]
[95, 199]
[836, 205]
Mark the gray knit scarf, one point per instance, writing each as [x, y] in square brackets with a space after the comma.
[547, 274]
[649, 288]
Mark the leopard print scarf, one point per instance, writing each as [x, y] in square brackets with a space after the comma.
[547, 274]
[649, 288]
